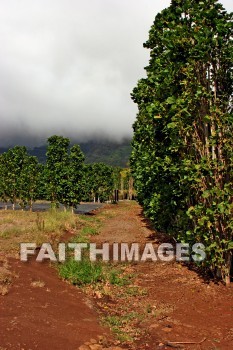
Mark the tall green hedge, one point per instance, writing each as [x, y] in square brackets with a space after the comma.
[182, 158]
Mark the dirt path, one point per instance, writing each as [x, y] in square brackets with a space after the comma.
[42, 312]
[186, 308]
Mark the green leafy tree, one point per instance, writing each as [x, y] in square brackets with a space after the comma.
[42, 182]
[75, 182]
[29, 182]
[19, 177]
[57, 169]
[117, 177]
[100, 181]
[182, 157]
[12, 163]
[64, 172]
[87, 183]
[3, 174]
[126, 184]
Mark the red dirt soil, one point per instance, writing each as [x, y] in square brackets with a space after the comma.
[53, 316]
[189, 308]
[58, 316]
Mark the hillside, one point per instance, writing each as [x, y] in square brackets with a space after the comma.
[108, 152]
[112, 153]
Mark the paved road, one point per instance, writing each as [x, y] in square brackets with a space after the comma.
[84, 208]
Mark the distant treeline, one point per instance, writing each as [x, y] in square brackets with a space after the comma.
[95, 151]
[64, 178]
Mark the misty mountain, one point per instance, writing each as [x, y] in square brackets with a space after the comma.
[109, 152]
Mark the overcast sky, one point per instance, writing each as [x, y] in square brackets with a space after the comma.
[68, 66]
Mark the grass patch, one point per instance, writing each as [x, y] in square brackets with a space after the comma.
[55, 220]
[81, 272]
[11, 231]
[89, 231]
[136, 291]
[80, 238]
[115, 278]
[88, 218]
[85, 271]
[20, 226]
[119, 325]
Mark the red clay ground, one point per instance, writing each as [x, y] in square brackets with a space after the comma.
[182, 307]
[186, 307]
[43, 312]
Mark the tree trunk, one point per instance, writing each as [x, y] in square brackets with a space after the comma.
[228, 266]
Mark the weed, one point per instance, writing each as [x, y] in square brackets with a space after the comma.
[81, 272]
[148, 309]
[40, 223]
[115, 278]
[133, 291]
[86, 217]
[80, 238]
[119, 324]
[114, 321]
[123, 337]
[89, 231]
[11, 231]
[57, 220]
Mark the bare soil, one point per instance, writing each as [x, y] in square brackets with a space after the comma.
[42, 312]
[183, 307]
[168, 304]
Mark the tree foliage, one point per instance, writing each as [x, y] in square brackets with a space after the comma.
[182, 158]
[19, 177]
[64, 179]
[99, 181]
[64, 172]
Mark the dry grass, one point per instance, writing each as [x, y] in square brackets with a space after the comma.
[38, 227]
[4, 290]
[6, 277]
[38, 284]
[19, 226]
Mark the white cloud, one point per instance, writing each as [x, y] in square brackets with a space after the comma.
[69, 66]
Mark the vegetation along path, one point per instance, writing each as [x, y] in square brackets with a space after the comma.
[147, 305]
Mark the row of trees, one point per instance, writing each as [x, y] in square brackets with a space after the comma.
[182, 158]
[20, 176]
[65, 178]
